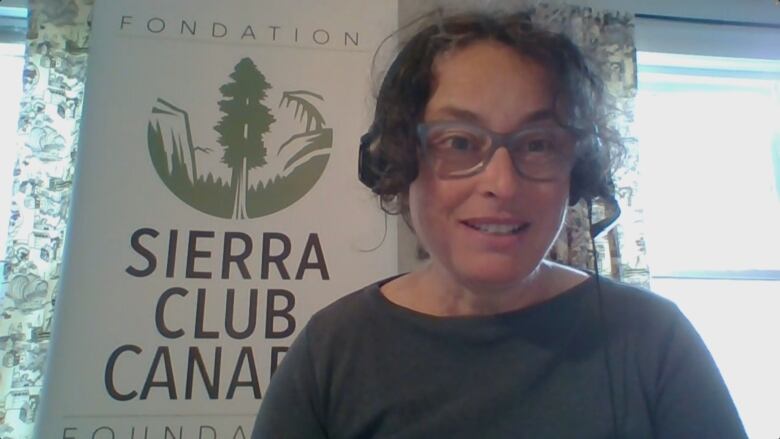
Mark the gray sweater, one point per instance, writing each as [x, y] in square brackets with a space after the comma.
[623, 363]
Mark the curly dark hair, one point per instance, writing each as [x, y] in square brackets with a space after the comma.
[582, 103]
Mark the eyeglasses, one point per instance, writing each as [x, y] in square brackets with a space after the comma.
[542, 152]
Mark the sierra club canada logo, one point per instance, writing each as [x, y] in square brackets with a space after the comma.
[232, 187]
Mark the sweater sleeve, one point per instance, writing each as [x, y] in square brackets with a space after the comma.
[290, 407]
[692, 400]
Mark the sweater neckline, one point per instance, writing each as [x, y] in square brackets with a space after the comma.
[562, 309]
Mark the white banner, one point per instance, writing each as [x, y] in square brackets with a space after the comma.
[216, 207]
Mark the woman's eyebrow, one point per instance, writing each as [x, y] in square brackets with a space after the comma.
[460, 114]
[472, 117]
[541, 115]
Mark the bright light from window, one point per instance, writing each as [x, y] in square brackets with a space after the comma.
[710, 141]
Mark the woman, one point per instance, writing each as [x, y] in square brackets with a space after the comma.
[485, 129]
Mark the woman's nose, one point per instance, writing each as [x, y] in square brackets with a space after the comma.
[499, 178]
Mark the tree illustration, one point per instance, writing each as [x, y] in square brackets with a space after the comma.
[242, 126]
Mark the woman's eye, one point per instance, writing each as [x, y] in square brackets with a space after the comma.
[539, 146]
[460, 143]
[455, 142]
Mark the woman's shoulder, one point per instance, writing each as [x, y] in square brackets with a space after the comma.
[641, 318]
[350, 310]
[633, 300]
[628, 300]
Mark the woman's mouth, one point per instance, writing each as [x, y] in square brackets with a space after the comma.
[497, 228]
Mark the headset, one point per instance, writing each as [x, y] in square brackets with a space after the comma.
[370, 166]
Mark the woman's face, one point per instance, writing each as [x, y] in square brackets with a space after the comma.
[489, 230]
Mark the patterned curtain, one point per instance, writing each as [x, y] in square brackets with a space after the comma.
[51, 107]
[607, 38]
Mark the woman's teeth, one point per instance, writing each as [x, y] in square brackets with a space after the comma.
[498, 229]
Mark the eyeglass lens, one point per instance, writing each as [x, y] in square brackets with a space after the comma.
[459, 150]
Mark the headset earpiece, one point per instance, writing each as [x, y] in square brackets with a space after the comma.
[368, 164]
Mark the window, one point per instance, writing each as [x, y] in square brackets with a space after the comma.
[13, 26]
[709, 135]
[710, 132]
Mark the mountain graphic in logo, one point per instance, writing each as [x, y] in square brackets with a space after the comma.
[247, 178]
